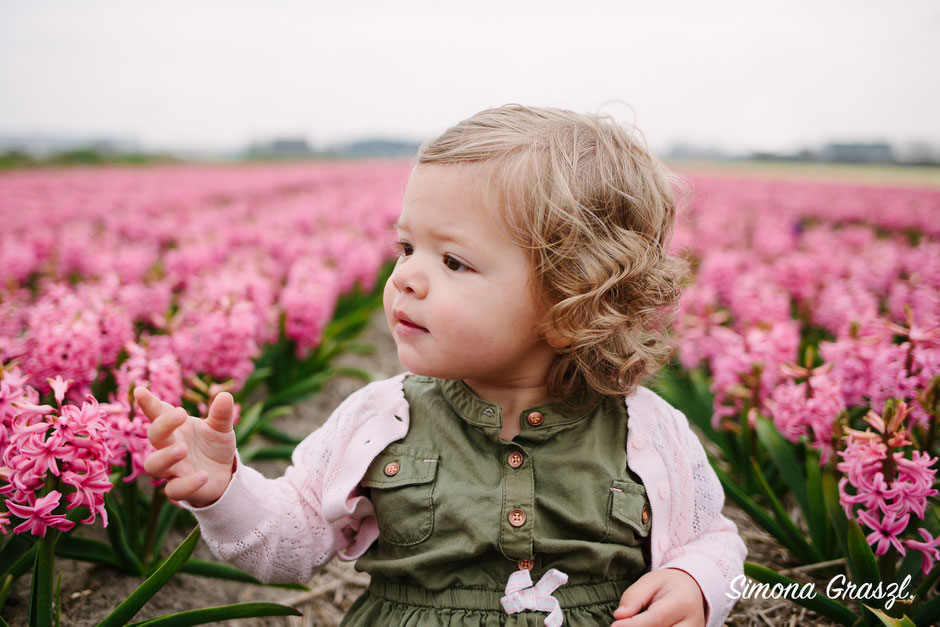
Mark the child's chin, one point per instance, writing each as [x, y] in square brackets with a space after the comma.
[421, 369]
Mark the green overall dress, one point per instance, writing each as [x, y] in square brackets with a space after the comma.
[459, 510]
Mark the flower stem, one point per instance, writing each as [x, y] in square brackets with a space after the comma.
[887, 565]
[41, 598]
[156, 505]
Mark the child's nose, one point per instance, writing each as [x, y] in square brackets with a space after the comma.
[408, 277]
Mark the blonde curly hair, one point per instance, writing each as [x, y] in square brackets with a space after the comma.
[594, 211]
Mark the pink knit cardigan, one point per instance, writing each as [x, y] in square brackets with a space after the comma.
[284, 529]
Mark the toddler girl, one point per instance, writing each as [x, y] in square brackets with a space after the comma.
[530, 300]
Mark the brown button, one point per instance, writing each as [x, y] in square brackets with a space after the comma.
[535, 418]
[645, 515]
[392, 468]
[517, 518]
[515, 459]
[526, 564]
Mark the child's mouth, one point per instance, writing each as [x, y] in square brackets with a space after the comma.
[405, 322]
[408, 325]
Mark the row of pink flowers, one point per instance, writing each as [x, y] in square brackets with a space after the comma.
[169, 278]
[859, 269]
[208, 260]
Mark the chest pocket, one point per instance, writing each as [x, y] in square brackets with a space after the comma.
[401, 481]
[629, 514]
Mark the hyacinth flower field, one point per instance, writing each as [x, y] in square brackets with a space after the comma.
[808, 357]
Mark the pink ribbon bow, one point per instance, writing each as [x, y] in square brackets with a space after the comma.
[522, 595]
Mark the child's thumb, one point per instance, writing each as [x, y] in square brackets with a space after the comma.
[221, 413]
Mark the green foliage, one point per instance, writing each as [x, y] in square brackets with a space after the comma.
[761, 471]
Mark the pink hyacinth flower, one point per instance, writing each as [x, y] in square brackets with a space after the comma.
[39, 516]
[928, 548]
[885, 531]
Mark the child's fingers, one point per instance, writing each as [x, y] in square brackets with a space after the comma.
[634, 599]
[182, 488]
[648, 618]
[221, 413]
[150, 404]
[160, 432]
[158, 464]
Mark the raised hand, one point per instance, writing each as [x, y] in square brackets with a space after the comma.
[195, 455]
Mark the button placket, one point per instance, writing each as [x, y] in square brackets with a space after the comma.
[516, 530]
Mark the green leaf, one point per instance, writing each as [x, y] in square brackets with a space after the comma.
[206, 568]
[14, 549]
[834, 512]
[273, 433]
[349, 324]
[139, 597]
[359, 348]
[928, 613]
[862, 563]
[168, 514]
[682, 389]
[58, 599]
[819, 603]
[783, 455]
[131, 564]
[890, 621]
[358, 373]
[298, 391]
[25, 563]
[745, 452]
[223, 612]
[248, 422]
[796, 543]
[279, 451]
[130, 520]
[927, 584]
[755, 511]
[910, 565]
[819, 528]
[5, 586]
[88, 550]
[276, 412]
[257, 377]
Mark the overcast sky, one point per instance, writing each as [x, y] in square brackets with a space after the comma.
[219, 74]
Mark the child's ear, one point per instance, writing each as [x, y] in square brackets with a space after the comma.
[556, 339]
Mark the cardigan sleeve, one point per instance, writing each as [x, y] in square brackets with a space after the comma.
[275, 529]
[713, 553]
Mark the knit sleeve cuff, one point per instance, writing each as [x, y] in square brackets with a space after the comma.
[238, 512]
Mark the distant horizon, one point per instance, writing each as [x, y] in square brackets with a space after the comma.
[39, 144]
[217, 75]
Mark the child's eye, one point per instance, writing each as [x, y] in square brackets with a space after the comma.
[403, 248]
[454, 264]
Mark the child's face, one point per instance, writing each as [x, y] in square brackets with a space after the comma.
[458, 303]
